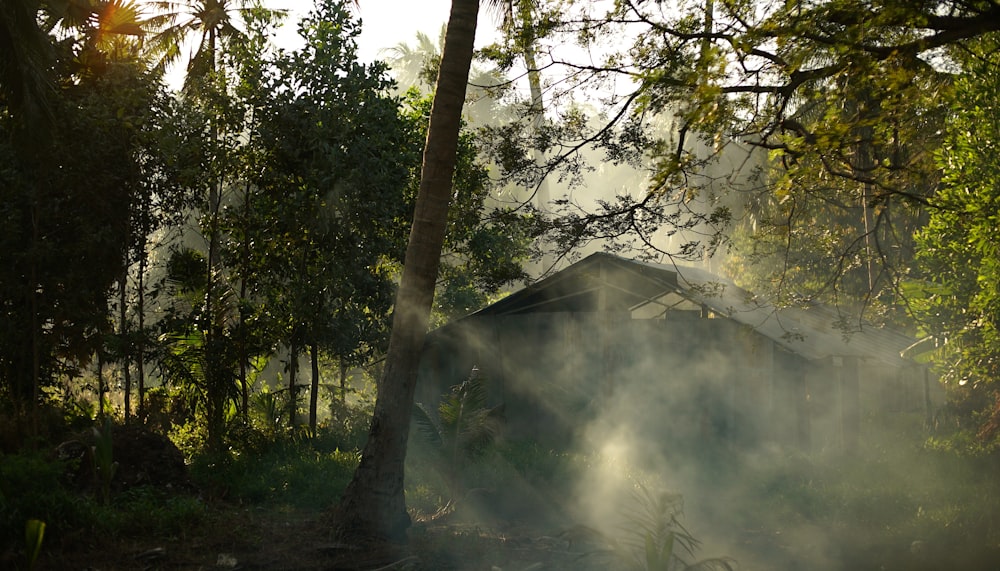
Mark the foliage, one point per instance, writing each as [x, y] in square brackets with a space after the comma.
[204, 377]
[34, 534]
[653, 536]
[838, 104]
[32, 487]
[337, 157]
[102, 454]
[70, 220]
[145, 511]
[287, 471]
[485, 243]
[464, 427]
[957, 296]
[896, 491]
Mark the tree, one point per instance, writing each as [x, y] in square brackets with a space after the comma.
[486, 242]
[463, 428]
[213, 22]
[215, 25]
[331, 194]
[839, 94]
[414, 66]
[373, 505]
[69, 218]
[26, 82]
[958, 293]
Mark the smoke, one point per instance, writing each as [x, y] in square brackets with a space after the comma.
[755, 439]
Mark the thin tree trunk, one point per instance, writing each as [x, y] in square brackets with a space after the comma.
[313, 388]
[245, 271]
[543, 195]
[100, 382]
[36, 334]
[293, 369]
[373, 506]
[343, 382]
[215, 393]
[123, 335]
[140, 360]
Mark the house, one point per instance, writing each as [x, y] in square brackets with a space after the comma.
[674, 352]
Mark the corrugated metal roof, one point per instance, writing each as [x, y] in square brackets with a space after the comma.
[611, 282]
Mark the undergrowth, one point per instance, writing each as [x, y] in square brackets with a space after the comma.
[294, 472]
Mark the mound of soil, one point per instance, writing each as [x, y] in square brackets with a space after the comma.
[147, 458]
[144, 458]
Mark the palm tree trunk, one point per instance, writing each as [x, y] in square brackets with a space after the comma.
[373, 506]
[245, 262]
[343, 382]
[100, 382]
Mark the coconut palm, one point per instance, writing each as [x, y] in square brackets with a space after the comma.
[414, 65]
[464, 427]
[27, 84]
[115, 30]
[25, 80]
[373, 506]
[209, 24]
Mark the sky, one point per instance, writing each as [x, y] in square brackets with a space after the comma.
[386, 23]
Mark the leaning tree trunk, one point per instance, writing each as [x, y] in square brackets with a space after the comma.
[373, 506]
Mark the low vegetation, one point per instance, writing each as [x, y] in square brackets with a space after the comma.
[901, 503]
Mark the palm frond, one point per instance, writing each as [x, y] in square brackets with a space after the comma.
[426, 426]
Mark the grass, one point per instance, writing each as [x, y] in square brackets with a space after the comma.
[293, 473]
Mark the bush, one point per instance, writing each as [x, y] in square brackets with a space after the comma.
[290, 472]
[30, 488]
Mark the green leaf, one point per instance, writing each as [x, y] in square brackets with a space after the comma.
[34, 534]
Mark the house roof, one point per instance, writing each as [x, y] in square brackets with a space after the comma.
[607, 282]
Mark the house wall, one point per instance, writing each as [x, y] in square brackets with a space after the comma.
[682, 383]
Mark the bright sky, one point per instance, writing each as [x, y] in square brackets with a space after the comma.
[386, 23]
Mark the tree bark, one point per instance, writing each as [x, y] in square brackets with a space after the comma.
[373, 506]
[293, 371]
[343, 382]
[140, 357]
[125, 342]
[313, 387]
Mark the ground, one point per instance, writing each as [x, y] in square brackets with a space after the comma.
[795, 518]
[252, 538]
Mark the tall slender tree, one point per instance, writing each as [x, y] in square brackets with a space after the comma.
[373, 505]
[26, 82]
[213, 25]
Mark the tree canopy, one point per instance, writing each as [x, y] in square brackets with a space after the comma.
[293, 202]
